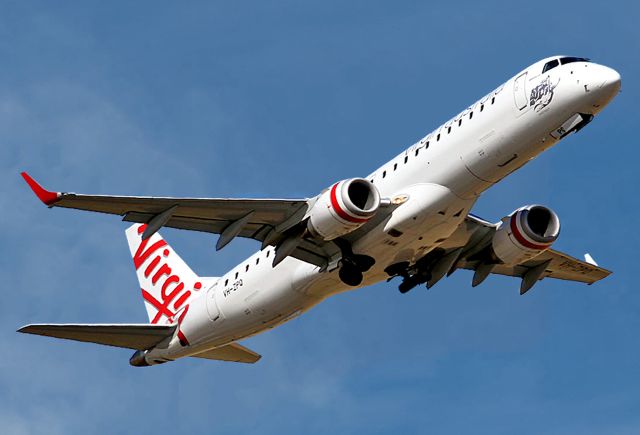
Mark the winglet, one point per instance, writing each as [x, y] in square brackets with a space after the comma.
[43, 194]
[589, 259]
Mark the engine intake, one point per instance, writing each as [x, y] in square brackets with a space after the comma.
[343, 208]
[525, 234]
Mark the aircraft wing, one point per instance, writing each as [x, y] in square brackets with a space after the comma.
[561, 266]
[266, 220]
[469, 244]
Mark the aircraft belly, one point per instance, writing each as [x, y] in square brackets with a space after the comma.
[413, 231]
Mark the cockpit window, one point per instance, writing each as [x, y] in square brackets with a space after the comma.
[550, 65]
[562, 61]
[566, 60]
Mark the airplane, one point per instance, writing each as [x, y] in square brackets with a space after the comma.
[409, 219]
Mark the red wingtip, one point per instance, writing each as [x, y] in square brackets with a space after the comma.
[44, 195]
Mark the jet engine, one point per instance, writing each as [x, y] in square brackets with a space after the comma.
[525, 234]
[343, 208]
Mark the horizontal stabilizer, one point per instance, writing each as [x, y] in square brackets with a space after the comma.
[134, 336]
[231, 352]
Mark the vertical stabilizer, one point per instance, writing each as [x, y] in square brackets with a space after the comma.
[166, 281]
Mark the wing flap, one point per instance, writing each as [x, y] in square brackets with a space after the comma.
[233, 352]
[131, 336]
[561, 266]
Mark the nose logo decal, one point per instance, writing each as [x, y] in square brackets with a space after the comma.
[542, 94]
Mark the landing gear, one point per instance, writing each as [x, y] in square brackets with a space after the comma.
[410, 282]
[401, 269]
[352, 266]
[407, 284]
[412, 276]
[350, 275]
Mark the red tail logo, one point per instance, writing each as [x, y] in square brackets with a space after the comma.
[170, 301]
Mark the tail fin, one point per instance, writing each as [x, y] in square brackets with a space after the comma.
[166, 281]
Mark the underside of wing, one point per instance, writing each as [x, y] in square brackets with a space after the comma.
[560, 266]
[265, 220]
[556, 264]
[211, 215]
[471, 247]
[281, 223]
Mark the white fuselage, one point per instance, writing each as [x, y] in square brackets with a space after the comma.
[441, 177]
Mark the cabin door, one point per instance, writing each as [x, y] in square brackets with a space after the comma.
[520, 92]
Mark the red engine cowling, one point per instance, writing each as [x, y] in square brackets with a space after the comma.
[343, 208]
[525, 234]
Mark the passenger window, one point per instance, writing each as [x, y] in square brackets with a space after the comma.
[448, 130]
[246, 269]
[226, 282]
[417, 151]
[481, 107]
[427, 145]
[236, 275]
[438, 137]
[257, 260]
[493, 100]
[550, 65]
[395, 166]
[267, 254]
[460, 122]
[470, 114]
[384, 174]
[406, 159]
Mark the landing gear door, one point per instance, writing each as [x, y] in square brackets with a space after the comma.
[520, 92]
[212, 306]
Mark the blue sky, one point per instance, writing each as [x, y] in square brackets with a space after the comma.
[280, 99]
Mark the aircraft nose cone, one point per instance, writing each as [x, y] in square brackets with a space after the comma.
[602, 85]
[611, 81]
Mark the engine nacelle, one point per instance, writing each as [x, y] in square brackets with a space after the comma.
[343, 208]
[525, 234]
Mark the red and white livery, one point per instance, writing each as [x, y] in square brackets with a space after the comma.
[409, 219]
[342, 208]
[525, 234]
